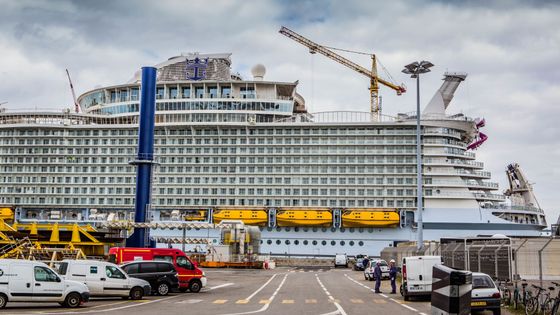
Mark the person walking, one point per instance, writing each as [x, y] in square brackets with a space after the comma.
[377, 274]
[393, 276]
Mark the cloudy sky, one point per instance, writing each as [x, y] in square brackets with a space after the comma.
[511, 50]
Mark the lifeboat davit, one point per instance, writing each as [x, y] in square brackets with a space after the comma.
[304, 218]
[249, 217]
[369, 218]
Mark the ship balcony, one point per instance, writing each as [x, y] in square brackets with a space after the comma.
[481, 185]
[463, 183]
[464, 163]
[489, 197]
[465, 155]
[445, 142]
[461, 172]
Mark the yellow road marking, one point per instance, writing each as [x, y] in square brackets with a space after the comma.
[242, 302]
[288, 302]
[379, 301]
[358, 301]
[220, 301]
[310, 301]
[264, 301]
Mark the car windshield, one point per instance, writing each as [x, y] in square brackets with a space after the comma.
[482, 282]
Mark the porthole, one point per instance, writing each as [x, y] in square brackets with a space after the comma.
[361, 243]
[287, 229]
[279, 229]
[361, 230]
[305, 229]
[269, 229]
[324, 229]
[296, 229]
[305, 242]
[278, 242]
[314, 242]
[351, 230]
[333, 229]
[324, 243]
[351, 243]
[287, 242]
[262, 241]
[269, 242]
[261, 228]
[296, 242]
[333, 243]
[370, 230]
[315, 229]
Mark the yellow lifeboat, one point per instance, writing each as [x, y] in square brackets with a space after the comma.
[6, 214]
[249, 217]
[304, 218]
[369, 218]
[195, 215]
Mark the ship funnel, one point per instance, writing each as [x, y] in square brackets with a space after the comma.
[443, 96]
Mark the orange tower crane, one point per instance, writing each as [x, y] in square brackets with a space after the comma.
[375, 80]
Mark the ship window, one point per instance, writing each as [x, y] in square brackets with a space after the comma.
[350, 229]
[287, 242]
[287, 229]
[351, 243]
[342, 229]
[324, 243]
[361, 243]
[296, 229]
[315, 229]
[296, 242]
[305, 242]
[278, 242]
[314, 242]
[269, 242]
[342, 243]
[333, 243]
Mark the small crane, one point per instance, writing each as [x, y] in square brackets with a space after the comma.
[371, 74]
[77, 108]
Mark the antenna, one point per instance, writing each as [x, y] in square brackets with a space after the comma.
[76, 105]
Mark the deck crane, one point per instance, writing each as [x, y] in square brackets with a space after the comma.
[371, 74]
[77, 108]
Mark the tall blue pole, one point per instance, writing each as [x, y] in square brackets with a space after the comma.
[145, 157]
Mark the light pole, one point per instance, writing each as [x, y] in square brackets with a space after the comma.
[415, 69]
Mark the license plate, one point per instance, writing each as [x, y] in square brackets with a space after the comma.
[416, 288]
[482, 303]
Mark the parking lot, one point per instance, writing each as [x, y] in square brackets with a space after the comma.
[280, 291]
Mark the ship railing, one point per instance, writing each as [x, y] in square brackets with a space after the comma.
[412, 116]
[490, 196]
[512, 208]
[463, 183]
[454, 161]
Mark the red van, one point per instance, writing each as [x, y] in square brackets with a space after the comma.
[190, 276]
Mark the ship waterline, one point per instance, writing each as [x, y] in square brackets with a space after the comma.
[233, 149]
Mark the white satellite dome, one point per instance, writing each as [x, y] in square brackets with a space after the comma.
[499, 236]
[258, 71]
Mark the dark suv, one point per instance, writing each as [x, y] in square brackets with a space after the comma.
[161, 275]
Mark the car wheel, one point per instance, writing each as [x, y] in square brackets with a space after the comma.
[497, 311]
[136, 294]
[72, 300]
[3, 300]
[183, 289]
[406, 297]
[195, 286]
[163, 289]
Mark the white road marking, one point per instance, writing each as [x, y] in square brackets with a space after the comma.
[218, 286]
[339, 308]
[383, 295]
[262, 287]
[265, 306]
[190, 301]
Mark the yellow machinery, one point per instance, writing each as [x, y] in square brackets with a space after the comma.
[362, 218]
[249, 217]
[304, 217]
[195, 215]
[371, 74]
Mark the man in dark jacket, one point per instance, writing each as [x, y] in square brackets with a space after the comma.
[377, 274]
[393, 276]
[365, 262]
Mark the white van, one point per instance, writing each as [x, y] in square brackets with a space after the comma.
[104, 279]
[417, 275]
[341, 260]
[33, 281]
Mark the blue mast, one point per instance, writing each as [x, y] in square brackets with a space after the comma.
[145, 157]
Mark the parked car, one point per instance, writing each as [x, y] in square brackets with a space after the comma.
[417, 275]
[161, 275]
[32, 281]
[190, 276]
[485, 294]
[104, 279]
[341, 260]
[359, 264]
[368, 271]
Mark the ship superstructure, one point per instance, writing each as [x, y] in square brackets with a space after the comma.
[234, 149]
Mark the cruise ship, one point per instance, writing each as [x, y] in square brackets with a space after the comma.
[230, 148]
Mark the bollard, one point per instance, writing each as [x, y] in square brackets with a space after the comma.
[451, 291]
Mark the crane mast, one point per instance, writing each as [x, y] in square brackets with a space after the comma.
[77, 108]
[371, 74]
